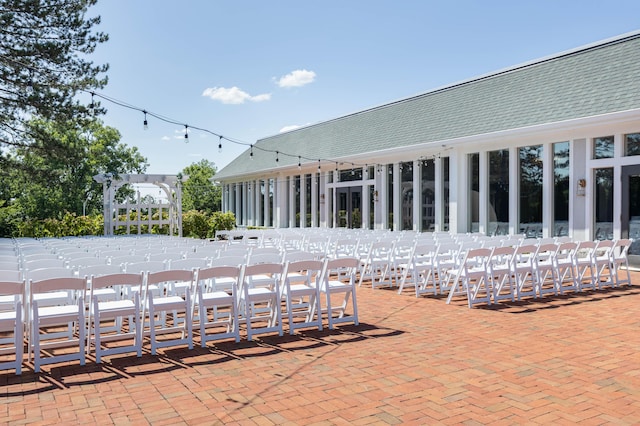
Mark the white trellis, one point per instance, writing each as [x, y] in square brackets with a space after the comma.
[115, 212]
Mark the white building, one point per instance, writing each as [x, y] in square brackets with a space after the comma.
[550, 147]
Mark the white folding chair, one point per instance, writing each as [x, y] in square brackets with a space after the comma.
[301, 293]
[566, 272]
[115, 312]
[620, 262]
[260, 298]
[602, 263]
[419, 271]
[11, 324]
[446, 265]
[501, 279]
[339, 278]
[546, 269]
[377, 265]
[524, 270]
[583, 263]
[70, 314]
[159, 305]
[216, 308]
[473, 277]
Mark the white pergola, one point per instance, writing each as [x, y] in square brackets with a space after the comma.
[113, 212]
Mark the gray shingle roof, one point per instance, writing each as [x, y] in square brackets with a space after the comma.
[601, 78]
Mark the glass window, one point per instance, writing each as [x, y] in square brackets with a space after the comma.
[307, 180]
[561, 189]
[604, 204]
[531, 190]
[406, 171]
[603, 147]
[428, 186]
[349, 175]
[632, 144]
[373, 198]
[445, 192]
[297, 201]
[390, 194]
[498, 192]
[474, 192]
[270, 222]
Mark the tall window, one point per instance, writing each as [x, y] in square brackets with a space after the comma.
[498, 192]
[445, 191]
[561, 189]
[406, 171]
[474, 192]
[298, 213]
[390, 195]
[427, 188]
[604, 204]
[531, 190]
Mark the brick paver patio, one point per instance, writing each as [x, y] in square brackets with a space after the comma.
[561, 360]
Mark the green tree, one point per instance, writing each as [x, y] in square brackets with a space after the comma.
[44, 50]
[65, 183]
[198, 191]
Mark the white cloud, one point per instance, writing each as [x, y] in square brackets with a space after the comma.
[297, 78]
[289, 128]
[233, 95]
[166, 138]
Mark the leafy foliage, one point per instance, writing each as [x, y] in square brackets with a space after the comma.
[49, 186]
[199, 192]
[195, 224]
[44, 46]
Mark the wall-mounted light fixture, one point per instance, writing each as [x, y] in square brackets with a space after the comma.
[581, 187]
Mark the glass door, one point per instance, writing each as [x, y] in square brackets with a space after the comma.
[631, 210]
[349, 207]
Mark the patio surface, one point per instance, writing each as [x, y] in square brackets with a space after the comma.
[560, 360]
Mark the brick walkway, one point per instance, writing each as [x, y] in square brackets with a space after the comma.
[561, 360]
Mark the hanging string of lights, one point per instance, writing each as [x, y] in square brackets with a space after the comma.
[187, 127]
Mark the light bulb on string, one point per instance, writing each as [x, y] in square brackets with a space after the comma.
[299, 164]
[277, 158]
[92, 105]
[319, 168]
[145, 124]
[220, 144]
[186, 133]
[251, 152]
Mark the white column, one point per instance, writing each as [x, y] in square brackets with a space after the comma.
[266, 216]
[483, 196]
[314, 200]
[292, 202]
[438, 195]
[383, 197]
[366, 199]
[514, 191]
[303, 201]
[547, 190]
[397, 197]
[282, 202]
[458, 192]
[417, 195]
[581, 217]
[245, 203]
[238, 202]
[257, 207]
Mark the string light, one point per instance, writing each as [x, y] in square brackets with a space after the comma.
[299, 165]
[186, 133]
[146, 113]
[92, 105]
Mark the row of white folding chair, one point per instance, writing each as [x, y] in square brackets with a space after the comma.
[538, 270]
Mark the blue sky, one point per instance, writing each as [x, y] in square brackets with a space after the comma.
[249, 69]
